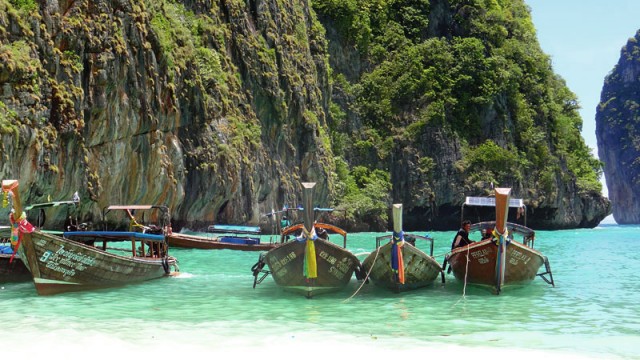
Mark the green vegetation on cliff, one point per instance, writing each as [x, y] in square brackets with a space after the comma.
[222, 108]
[473, 67]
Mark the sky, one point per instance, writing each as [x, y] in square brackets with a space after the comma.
[583, 39]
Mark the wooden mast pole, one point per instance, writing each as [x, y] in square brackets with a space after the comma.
[11, 186]
[502, 212]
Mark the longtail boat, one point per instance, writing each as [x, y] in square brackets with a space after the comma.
[504, 259]
[399, 264]
[232, 237]
[309, 264]
[75, 262]
[12, 268]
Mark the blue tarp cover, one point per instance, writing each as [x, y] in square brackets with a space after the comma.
[234, 229]
[5, 249]
[240, 240]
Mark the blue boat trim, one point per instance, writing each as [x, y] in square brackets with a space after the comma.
[114, 235]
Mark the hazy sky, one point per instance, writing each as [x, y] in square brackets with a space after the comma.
[584, 38]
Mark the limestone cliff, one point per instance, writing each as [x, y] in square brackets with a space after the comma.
[216, 109]
[453, 97]
[618, 133]
[220, 109]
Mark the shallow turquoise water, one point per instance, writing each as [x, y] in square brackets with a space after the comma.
[593, 310]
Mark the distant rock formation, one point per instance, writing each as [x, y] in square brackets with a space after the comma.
[618, 133]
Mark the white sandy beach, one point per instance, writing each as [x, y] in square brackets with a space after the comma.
[74, 345]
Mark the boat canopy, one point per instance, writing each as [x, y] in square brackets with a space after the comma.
[491, 201]
[164, 219]
[233, 229]
[135, 207]
[128, 208]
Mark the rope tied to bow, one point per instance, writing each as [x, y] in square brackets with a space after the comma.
[497, 234]
[18, 227]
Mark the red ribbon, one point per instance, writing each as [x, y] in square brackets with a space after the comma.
[17, 229]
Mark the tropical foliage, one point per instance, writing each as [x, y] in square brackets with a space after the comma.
[482, 68]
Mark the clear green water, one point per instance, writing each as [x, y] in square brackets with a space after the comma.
[593, 310]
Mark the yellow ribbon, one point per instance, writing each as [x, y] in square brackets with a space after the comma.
[310, 268]
[496, 234]
[134, 224]
[310, 260]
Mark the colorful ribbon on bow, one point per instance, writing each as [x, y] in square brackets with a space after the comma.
[397, 263]
[502, 240]
[310, 265]
[496, 234]
[18, 227]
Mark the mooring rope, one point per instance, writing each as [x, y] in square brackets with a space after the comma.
[366, 277]
[466, 272]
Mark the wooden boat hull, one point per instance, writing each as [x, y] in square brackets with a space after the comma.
[14, 271]
[202, 242]
[11, 271]
[60, 265]
[420, 269]
[335, 267]
[521, 263]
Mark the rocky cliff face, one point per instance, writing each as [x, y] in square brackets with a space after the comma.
[215, 109]
[618, 133]
[428, 157]
[219, 110]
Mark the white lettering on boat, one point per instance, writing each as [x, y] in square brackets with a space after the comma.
[340, 268]
[76, 257]
[480, 253]
[344, 265]
[336, 272]
[281, 273]
[330, 259]
[66, 262]
[57, 268]
[280, 262]
[480, 256]
[517, 256]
